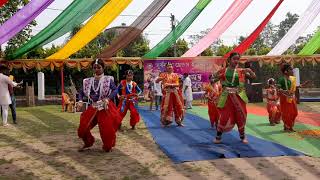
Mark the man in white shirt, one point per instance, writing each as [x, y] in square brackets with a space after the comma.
[187, 90]
[158, 93]
[5, 98]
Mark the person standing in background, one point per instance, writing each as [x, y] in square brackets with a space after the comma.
[13, 102]
[151, 93]
[5, 99]
[158, 93]
[187, 90]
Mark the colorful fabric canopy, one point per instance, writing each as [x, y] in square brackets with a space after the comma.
[75, 14]
[22, 18]
[39, 64]
[312, 46]
[2, 2]
[297, 29]
[245, 44]
[92, 29]
[135, 29]
[166, 42]
[233, 12]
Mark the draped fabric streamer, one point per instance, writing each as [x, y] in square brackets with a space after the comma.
[312, 46]
[22, 18]
[234, 11]
[245, 44]
[297, 29]
[93, 27]
[75, 14]
[166, 42]
[2, 2]
[135, 29]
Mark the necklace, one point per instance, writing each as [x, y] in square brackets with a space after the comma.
[99, 84]
[129, 86]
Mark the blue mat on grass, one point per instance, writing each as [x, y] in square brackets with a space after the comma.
[309, 99]
[194, 141]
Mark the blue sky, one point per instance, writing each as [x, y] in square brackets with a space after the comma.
[244, 25]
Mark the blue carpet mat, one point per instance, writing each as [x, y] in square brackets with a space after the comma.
[309, 99]
[194, 141]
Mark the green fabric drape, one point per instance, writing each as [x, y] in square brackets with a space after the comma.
[165, 43]
[312, 46]
[75, 14]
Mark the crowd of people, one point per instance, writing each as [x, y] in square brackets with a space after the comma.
[172, 95]
[227, 98]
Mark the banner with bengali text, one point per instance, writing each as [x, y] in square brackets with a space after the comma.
[199, 71]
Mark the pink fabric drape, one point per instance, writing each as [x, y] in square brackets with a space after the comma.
[233, 12]
[245, 44]
[22, 18]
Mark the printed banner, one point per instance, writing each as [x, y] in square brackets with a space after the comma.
[199, 71]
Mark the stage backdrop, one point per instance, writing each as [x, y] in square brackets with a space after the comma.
[198, 69]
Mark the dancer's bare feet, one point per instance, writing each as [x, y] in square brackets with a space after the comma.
[83, 148]
[181, 125]
[244, 141]
[217, 141]
[286, 130]
[107, 151]
[292, 130]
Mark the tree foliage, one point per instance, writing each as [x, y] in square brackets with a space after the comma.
[181, 48]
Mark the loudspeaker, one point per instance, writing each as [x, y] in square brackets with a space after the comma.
[254, 92]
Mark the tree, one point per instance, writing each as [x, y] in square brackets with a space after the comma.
[269, 35]
[284, 26]
[196, 37]
[6, 12]
[52, 50]
[223, 49]
[207, 52]
[137, 48]
[213, 49]
[181, 48]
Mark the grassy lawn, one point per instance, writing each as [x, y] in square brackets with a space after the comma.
[44, 145]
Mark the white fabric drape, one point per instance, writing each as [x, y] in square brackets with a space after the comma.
[297, 29]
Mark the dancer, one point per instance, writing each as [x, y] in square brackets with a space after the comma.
[212, 93]
[288, 102]
[100, 90]
[273, 105]
[180, 92]
[129, 91]
[233, 99]
[171, 101]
